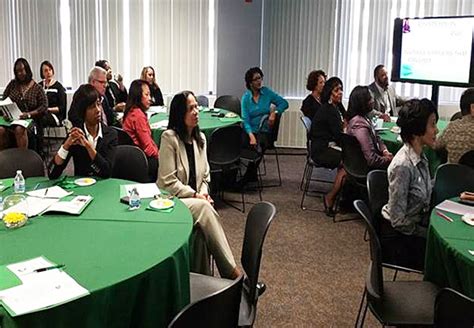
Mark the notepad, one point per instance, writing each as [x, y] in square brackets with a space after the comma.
[51, 192]
[145, 190]
[39, 290]
[456, 208]
[74, 206]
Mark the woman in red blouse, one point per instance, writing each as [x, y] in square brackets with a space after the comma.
[135, 123]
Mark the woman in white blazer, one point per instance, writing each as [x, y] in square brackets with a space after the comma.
[184, 172]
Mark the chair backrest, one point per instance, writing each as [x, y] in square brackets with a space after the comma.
[26, 160]
[230, 103]
[220, 309]
[456, 116]
[453, 309]
[374, 281]
[123, 137]
[307, 125]
[353, 158]
[225, 145]
[256, 227]
[377, 189]
[203, 101]
[467, 159]
[451, 180]
[130, 164]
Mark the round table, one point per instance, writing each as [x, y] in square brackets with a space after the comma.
[207, 122]
[393, 144]
[448, 262]
[135, 264]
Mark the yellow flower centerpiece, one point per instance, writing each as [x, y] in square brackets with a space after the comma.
[14, 220]
[15, 209]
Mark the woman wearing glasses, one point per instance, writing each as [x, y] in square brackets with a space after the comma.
[260, 107]
[91, 144]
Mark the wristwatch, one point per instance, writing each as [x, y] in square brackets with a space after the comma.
[28, 115]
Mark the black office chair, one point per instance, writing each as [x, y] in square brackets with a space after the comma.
[230, 103]
[394, 303]
[467, 159]
[123, 137]
[456, 116]
[26, 160]
[453, 309]
[224, 156]
[203, 101]
[355, 165]
[130, 164]
[217, 310]
[450, 181]
[258, 221]
[271, 148]
[307, 177]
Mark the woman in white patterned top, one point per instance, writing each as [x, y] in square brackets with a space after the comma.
[410, 185]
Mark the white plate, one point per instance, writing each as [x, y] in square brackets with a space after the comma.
[381, 129]
[231, 115]
[161, 204]
[468, 218]
[395, 129]
[83, 182]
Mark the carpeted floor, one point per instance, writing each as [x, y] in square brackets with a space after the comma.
[314, 269]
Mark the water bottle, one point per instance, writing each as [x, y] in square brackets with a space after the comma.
[19, 183]
[134, 200]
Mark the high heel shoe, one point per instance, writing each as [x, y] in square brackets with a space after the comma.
[328, 210]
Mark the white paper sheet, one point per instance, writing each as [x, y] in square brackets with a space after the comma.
[145, 190]
[33, 206]
[51, 192]
[40, 290]
[160, 125]
[456, 208]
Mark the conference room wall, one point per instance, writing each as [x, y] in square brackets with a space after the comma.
[238, 43]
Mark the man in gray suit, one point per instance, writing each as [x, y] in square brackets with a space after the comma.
[386, 100]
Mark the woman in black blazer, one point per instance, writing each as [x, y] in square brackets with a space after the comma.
[326, 130]
[91, 144]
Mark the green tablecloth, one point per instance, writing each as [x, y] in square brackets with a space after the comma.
[135, 264]
[448, 261]
[393, 145]
[207, 123]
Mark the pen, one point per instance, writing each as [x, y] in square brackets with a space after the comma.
[46, 192]
[444, 216]
[59, 266]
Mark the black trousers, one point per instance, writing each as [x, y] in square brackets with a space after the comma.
[263, 142]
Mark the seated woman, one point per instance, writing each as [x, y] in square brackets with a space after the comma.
[312, 102]
[148, 75]
[325, 134]
[31, 100]
[360, 126]
[184, 172]
[135, 123]
[408, 207]
[257, 104]
[92, 145]
[56, 95]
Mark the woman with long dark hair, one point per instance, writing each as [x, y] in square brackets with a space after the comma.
[135, 123]
[184, 172]
[326, 131]
[92, 145]
[31, 100]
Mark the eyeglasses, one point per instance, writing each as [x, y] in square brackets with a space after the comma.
[258, 78]
[101, 81]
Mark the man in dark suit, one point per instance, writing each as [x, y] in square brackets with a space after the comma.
[386, 100]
